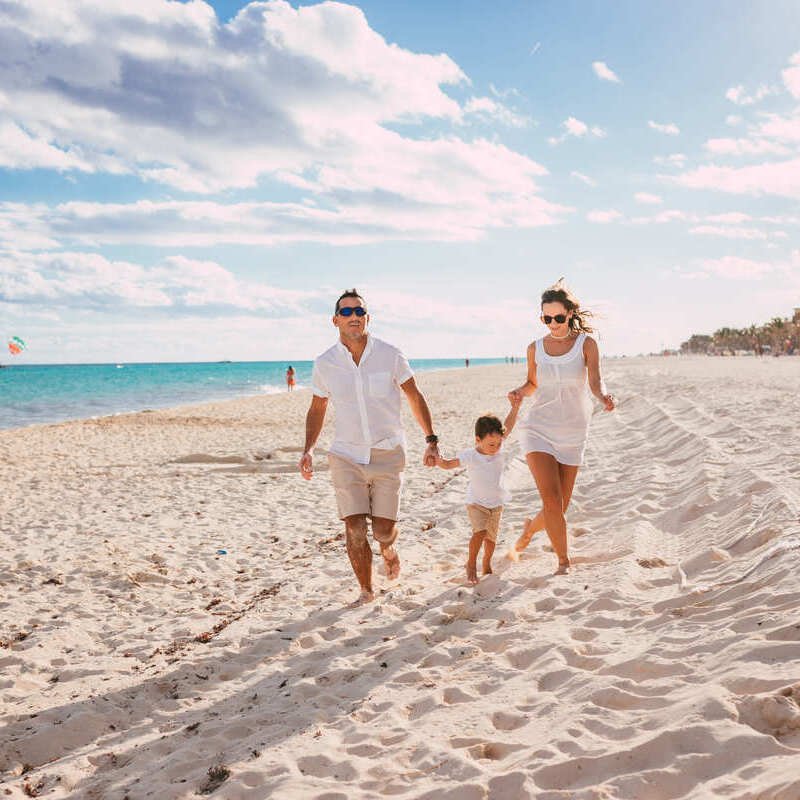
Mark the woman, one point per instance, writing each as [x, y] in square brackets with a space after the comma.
[290, 378]
[554, 434]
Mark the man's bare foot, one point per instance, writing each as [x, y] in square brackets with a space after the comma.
[366, 596]
[563, 568]
[392, 563]
[487, 567]
[472, 574]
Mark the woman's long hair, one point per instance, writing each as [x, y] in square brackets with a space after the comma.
[559, 293]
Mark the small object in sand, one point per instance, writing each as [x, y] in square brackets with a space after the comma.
[222, 552]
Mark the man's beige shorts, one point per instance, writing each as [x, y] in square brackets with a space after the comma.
[485, 519]
[373, 488]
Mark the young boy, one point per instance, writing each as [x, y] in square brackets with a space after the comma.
[485, 493]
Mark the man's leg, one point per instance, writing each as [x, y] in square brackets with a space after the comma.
[360, 553]
[384, 531]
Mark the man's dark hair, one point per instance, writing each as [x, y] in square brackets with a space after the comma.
[348, 293]
[488, 424]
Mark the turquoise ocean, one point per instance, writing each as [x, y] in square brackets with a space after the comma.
[31, 394]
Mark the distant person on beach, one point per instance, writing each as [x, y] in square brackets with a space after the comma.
[290, 378]
[563, 367]
[486, 494]
[466, 362]
[366, 379]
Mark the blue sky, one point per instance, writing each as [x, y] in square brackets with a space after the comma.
[193, 181]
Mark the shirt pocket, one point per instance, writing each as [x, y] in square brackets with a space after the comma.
[380, 384]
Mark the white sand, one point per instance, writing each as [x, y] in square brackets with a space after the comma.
[666, 665]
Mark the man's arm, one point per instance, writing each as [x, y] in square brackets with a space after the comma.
[315, 418]
[448, 463]
[421, 412]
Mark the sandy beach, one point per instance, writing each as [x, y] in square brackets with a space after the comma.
[175, 620]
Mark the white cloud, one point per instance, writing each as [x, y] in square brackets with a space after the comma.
[604, 216]
[738, 95]
[669, 128]
[578, 129]
[729, 218]
[672, 160]
[583, 178]
[791, 75]
[353, 220]
[663, 217]
[744, 147]
[647, 199]
[733, 120]
[304, 96]
[781, 178]
[603, 72]
[80, 280]
[735, 268]
[492, 110]
[728, 232]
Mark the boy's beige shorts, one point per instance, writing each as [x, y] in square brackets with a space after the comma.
[485, 519]
[372, 489]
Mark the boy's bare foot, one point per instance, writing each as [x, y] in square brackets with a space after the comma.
[472, 574]
[366, 596]
[392, 563]
[563, 568]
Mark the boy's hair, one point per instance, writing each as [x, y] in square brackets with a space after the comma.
[487, 424]
[348, 293]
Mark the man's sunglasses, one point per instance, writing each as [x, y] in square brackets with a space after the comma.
[348, 311]
[559, 318]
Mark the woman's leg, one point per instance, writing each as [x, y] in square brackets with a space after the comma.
[547, 474]
[567, 474]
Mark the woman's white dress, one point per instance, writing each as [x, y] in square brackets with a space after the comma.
[558, 420]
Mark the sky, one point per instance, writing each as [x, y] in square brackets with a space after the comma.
[186, 181]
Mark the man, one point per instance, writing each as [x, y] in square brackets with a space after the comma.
[364, 376]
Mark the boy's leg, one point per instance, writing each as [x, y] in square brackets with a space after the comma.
[490, 540]
[488, 550]
[472, 558]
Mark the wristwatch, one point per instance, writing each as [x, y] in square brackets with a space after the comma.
[432, 439]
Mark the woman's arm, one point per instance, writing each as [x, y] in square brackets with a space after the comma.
[591, 353]
[529, 387]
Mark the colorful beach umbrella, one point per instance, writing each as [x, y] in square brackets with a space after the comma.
[15, 345]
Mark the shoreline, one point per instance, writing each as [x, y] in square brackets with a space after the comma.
[274, 389]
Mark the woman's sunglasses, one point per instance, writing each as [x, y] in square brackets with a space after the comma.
[559, 318]
[347, 311]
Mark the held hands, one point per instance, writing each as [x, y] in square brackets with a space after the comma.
[515, 398]
[609, 402]
[306, 466]
[431, 455]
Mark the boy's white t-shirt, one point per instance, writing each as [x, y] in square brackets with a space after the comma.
[485, 478]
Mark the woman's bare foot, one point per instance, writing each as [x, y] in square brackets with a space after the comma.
[563, 568]
[472, 574]
[527, 535]
[513, 554]
[392, 563]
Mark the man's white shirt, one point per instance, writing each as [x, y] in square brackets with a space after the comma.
[367, 397]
